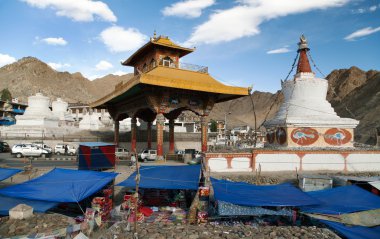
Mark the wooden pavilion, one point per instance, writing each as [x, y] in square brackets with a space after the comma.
[163, 87]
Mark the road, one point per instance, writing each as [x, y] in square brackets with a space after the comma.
[8, 160]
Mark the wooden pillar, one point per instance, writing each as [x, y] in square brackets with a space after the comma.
[133, 134]
[171, 136]
[116, 133]
[160, 123]
[204, 136]
[149, 135]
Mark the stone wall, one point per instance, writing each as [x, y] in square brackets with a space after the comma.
[290, 160]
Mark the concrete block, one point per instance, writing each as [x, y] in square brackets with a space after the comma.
[21, 211]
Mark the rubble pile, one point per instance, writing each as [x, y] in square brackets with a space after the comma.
[38, 223]
[216, 230]
[253, 179]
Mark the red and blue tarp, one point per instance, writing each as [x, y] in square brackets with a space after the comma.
[96, 156]
[245, 194]
[166, 177]
[8, 172]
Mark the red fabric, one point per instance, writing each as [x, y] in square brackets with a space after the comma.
[109, 152]
[86, 152]
[147, 211]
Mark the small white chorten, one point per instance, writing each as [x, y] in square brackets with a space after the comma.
[60, 110]
[306, 118]
[90, 121]
[37, 113]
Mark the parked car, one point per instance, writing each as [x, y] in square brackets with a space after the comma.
[198, 154]
[148, 155]
[4, 147]
[121, 153]
[44, 146]
[61, 149]
[29, 150]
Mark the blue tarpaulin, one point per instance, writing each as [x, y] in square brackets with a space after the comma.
[7, 203]
[166, 177]
[346, 199]
[8, 172]
[60, 185]
[354, 232]
[245, 194]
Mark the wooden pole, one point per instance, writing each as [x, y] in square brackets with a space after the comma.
[136, 196]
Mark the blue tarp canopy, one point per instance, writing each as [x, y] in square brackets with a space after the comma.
[245, 194]
[166, 177]
[340, 200]
[7, 203]
[354, 232]
[60, 185]
[8, 172]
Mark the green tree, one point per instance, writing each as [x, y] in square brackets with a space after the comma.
[6, 95]
[213, 126]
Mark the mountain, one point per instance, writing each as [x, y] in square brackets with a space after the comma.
[353, 93]
[30, 75]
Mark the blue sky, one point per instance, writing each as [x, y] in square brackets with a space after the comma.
[233, 38]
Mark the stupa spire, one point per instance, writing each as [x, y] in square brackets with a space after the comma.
[303, 62]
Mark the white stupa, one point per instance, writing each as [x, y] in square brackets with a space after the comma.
[38, 113]
[306, 118]
[60, 110]
[90, 121]
[37, 120]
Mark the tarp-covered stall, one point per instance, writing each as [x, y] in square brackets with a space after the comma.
[354, 232]
[8, 172]
[244, 199]
[340, 200]
[60, 185]
[96, 156]
[166, 177]
[7, 203]
[245, 194]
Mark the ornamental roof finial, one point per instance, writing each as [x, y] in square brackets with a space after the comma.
[303, 43]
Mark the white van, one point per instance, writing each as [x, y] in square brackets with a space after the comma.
[60, 149]
[148, 154]
[121, 153]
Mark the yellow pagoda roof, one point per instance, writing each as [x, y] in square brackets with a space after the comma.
[175, 78]
[160, 41]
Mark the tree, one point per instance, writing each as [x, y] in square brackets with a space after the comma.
[213, 126]
[6, 95]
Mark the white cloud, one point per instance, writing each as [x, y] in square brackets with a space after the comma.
[373, 8]
[279, 50]
[78, 10]
[103, 66]
[187, 8]
[245, 18]
[57, 66]
[118, 39]
[6, 59]
[361, 33]
[56, 41]
[119, 73]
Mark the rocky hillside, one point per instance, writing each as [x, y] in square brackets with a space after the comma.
[30, 75]
[352, 92]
